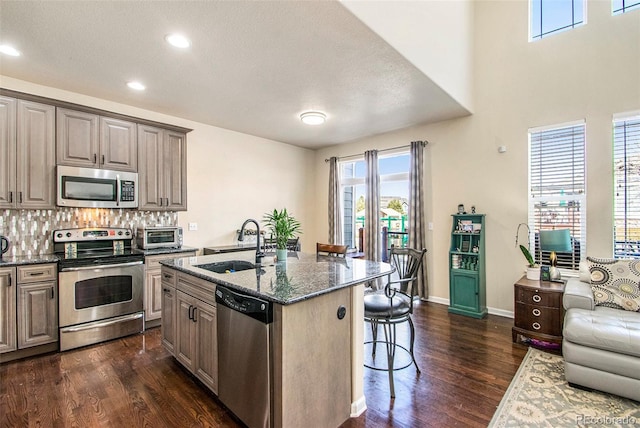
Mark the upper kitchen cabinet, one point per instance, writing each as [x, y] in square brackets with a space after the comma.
[92, 141]
[27, 154]
[162, 171]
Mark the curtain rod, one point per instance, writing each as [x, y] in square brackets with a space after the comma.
[424, 143]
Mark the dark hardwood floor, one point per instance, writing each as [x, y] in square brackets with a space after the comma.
[466, 364]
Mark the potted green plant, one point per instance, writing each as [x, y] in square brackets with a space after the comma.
[533, 269]
[283, 226]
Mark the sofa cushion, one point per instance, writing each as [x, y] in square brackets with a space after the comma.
[604, 328]
[615, 283]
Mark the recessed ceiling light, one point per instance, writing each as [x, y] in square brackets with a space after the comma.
[178, 40]
[9, 50]
[136, 85]
[313, 117]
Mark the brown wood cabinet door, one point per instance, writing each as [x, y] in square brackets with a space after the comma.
[118, 145]
[77, 138]
[7, 152]
[206, 368]
[8, 287]
[37, 314]
[153, 295]
[150, 168]
[185, 331]
[175, 158]
[169, 313]
[36, 159]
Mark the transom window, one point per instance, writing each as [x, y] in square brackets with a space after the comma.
[622, 6]
[547, 17]
[558, 188]
[394, 198]
[626, 173]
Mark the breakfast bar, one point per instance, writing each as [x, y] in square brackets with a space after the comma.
[310, 333]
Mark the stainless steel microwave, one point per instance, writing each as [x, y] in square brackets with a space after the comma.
[96, 188]
[159, 237]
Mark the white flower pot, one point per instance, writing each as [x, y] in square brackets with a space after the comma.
[533, 273]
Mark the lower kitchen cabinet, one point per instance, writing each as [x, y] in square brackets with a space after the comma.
[153, 290]
[29, 306]
[169, 310]
[8, 310]
[195, 345]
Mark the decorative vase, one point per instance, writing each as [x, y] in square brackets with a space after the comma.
[533, 273]
[281, 254]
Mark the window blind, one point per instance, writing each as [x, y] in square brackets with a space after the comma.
[558, 188]
[626, 165]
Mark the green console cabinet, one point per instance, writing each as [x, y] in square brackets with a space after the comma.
[467, 277]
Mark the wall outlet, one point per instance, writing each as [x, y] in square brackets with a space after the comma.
[193, 226]
[430, 225]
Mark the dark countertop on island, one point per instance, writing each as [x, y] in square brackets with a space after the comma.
[301, 277]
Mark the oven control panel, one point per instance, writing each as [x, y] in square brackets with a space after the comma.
[93, 234]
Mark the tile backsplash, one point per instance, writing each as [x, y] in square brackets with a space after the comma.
[30, 231]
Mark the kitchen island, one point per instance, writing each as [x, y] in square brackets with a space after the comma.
[315, 339]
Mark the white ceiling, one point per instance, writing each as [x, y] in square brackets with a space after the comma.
[253, 66]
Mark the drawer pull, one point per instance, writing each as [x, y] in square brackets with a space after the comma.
[536, 298]
[536, 326]
[536, 312]
[167, 276]
[36, 273]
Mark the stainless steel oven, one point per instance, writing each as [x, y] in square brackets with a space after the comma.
[101, 283]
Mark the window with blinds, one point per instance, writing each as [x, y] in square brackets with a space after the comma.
[626, 175]
[623, 6]
[557, 183]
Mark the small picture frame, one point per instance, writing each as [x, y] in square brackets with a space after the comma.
[465, 246]
[544, 273]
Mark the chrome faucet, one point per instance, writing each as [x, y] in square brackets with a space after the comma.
[259, 254]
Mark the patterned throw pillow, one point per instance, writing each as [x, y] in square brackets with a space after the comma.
[615, 283]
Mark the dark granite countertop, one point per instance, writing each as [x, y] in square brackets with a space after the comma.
[233, 248]
[301, 277]
[28, 260]
[158, 251]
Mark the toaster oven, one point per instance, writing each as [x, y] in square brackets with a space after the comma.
[159, 237]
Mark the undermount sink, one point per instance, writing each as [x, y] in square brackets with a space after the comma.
[229, 266]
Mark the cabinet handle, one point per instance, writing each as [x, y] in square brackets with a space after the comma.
[536, 298]
[536, 312]
[20, 197]
[53, 296]
[166, 290]
[9, 280]
[168, 276]
[190, 309]
[161, 200]
[536, 326]
[95, 158]
[102, 159]
[36, 273]
[194, 314]
[10, 196]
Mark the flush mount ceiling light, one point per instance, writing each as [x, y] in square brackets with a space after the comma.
[136, 85]
[313, 117]
[178, 40]
[9, 50]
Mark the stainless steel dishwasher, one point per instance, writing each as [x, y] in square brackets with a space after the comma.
[244, 357]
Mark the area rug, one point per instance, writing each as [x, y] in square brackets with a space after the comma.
[539, 396]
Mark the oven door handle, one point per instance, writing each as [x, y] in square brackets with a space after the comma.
[101, 324]
[101, 267]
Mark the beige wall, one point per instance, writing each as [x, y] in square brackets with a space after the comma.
[588, 73]
[230, 176]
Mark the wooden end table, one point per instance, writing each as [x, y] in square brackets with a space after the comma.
[539, 313]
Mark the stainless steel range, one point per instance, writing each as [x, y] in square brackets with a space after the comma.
[101, 282]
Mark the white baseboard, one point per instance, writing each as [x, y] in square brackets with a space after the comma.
[358, 407]
[492, 311]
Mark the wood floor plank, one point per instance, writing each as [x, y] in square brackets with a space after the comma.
[466, 364]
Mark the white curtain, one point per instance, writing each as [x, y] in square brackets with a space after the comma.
[416, 211]
[335, 216]
[372, 207]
